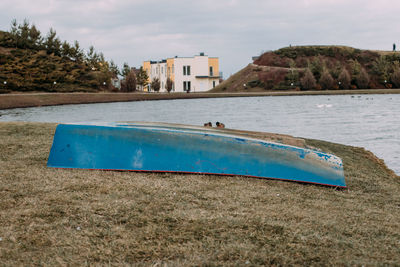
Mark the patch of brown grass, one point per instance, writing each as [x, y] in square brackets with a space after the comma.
[76, 217]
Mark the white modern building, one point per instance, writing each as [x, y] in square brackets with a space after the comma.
[195, 74]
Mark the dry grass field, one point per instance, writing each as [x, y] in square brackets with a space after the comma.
[79, 217]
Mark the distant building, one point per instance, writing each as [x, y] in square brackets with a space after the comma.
[195, 74]
[116, 83]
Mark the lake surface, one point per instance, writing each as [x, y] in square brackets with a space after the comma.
[370, 121]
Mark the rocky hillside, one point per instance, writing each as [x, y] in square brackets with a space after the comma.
[317, 68]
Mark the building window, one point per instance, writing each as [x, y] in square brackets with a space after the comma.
[211, 71]
[213, 84]
[186, 86]
[186, 70]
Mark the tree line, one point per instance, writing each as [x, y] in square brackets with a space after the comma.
[27, 37]
[318, 76]
[328, 67]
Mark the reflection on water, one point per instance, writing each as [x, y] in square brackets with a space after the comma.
[370, 121]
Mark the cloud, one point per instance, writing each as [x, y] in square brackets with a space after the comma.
[136, 30]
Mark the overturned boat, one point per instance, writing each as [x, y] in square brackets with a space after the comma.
[158, 147]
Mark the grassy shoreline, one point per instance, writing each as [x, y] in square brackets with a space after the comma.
[22, 100]
[75, 217]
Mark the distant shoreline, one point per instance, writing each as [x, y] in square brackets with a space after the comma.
[24, 100]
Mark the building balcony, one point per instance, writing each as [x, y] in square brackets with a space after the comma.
[205, 76]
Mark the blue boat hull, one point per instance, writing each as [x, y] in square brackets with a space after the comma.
[160, 148]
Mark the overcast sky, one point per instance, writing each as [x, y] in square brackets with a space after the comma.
[233, 30]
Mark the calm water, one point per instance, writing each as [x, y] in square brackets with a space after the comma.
[370, 121]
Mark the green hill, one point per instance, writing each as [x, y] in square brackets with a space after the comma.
[35, 67]
[330, 67]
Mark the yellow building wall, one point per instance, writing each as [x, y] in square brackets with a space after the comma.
[214, 62]
[147, 69]
[170, 69]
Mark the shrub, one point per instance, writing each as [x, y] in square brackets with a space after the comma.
[292, 76]
[362, 80]
[326, 80]
[395, 78]
[344, 79]
[269, 84]
[308, 82]
[381, 67]
[155, 85]
[355, 70]
[253, 83]
[317, 67]
[282, 86]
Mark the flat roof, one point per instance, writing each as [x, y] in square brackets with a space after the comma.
[165, 60]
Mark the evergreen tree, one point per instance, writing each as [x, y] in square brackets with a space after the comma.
[77, 53]
[14, 32]
[104, 75]
[142, 78]
[125, 69]
[24, 34]
[92, 58]
[35, 38]
[66, 50]
[52, 43]
[114, 69]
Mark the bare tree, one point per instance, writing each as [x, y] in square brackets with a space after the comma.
[344, 79]
[326, 81]
[362, 79]
[155, 85]
[169, 85]
[129, 82]
[395, 78]
[308, 82]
